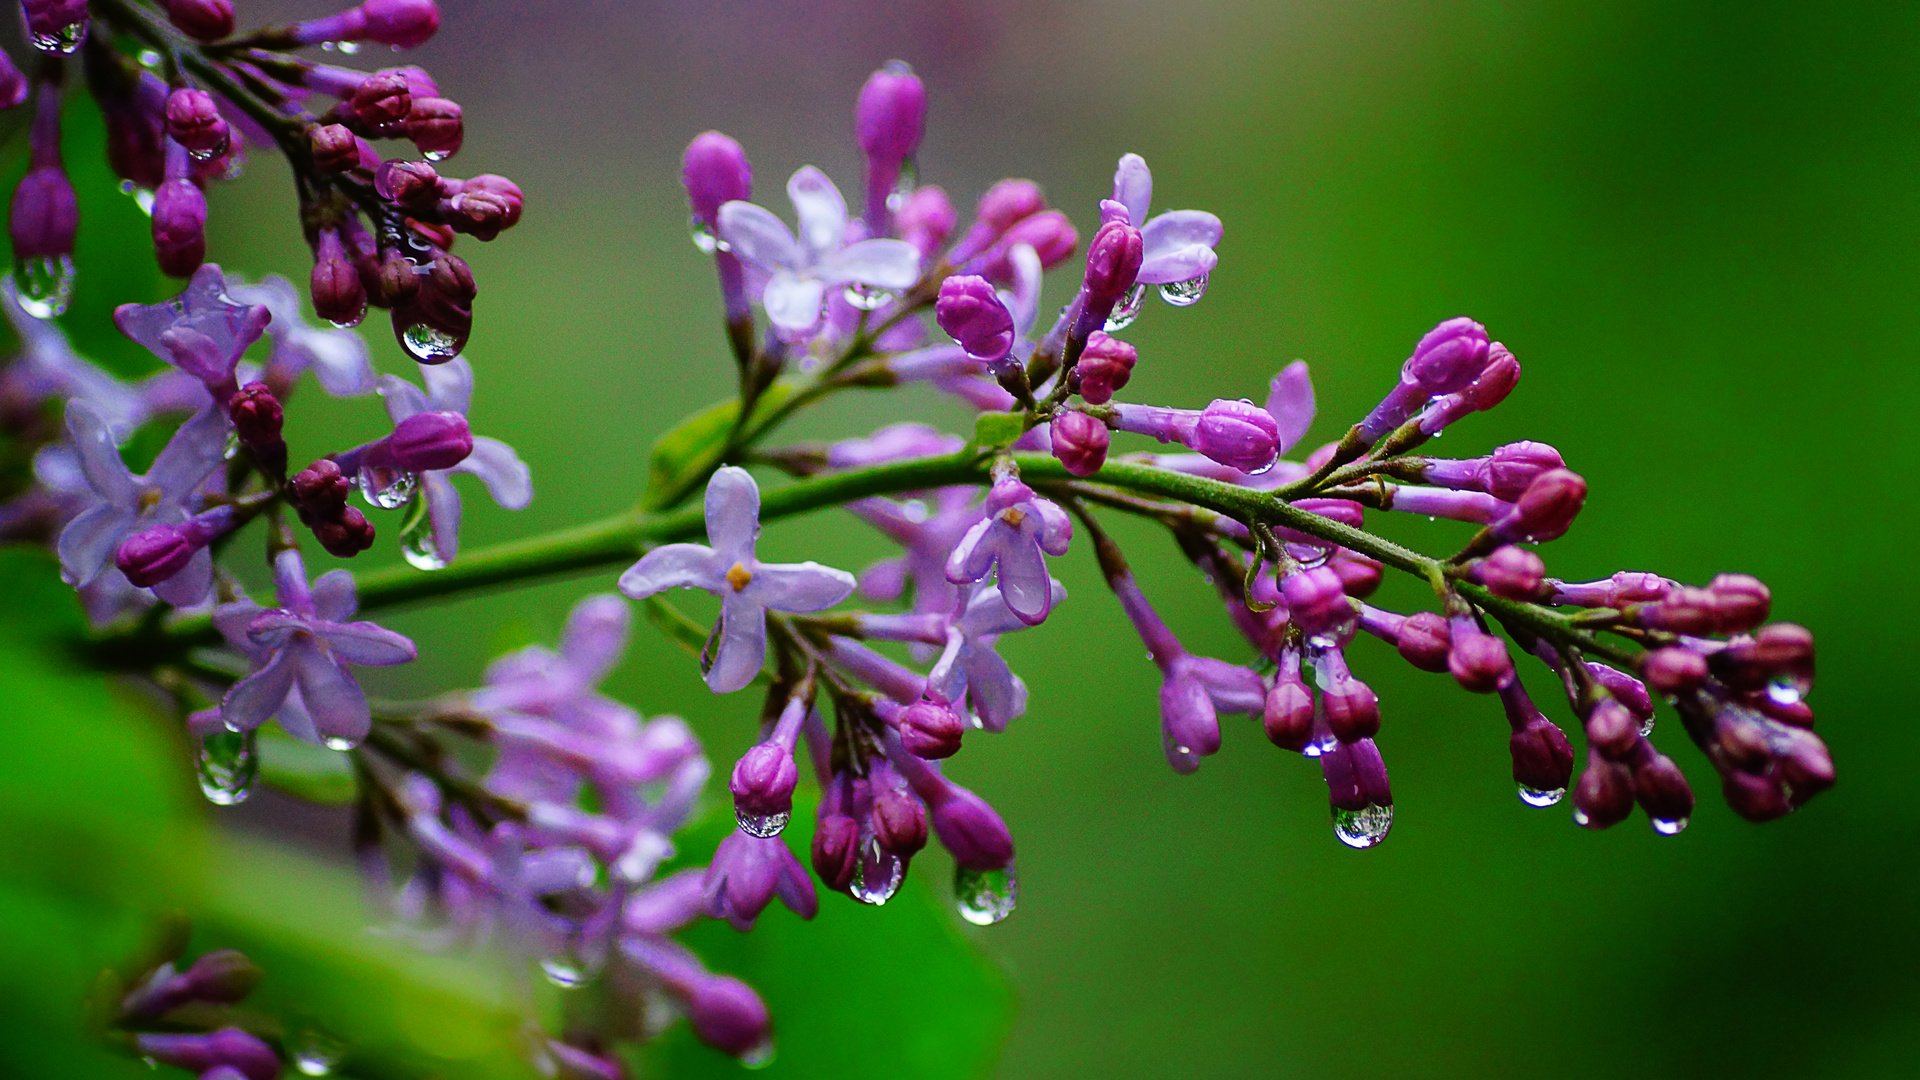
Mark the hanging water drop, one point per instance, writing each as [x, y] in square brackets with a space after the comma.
[339, 745]
[44, 284]
[877, 876]
[1127, 310]
[1670, 826]
[903, 186]
[226, 764]
[344, 48]
[62, 41]
[232, 448]
[436, 155]
[315, 1053]
[1362, 828]
[1786, 689]
[1646, 727]
[429, 345]
[1184, 293]
[1542, 797]
[867, 297]
[386, 489]
[566, 969]
[759, 1055]
[985, 897]
[142, 197]
[417, 545]
[703, 236]
[762, 825]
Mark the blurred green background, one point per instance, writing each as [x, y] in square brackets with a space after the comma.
[1693, 224]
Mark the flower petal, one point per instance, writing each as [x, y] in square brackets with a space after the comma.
[99, 455]
[596, 635]
[191, 585]
[672, 566]
[450, 385]
[365, 644]
[742, 648]
[1181, 228]
[973, 556]
[756, 235]
[1056, 528]
[733, 514]
[1177, 264]
[195, 450]
[88, 542]
[793, 302]
[990, 688]
[332, 697]
[333, 596]
[1133, 187]
[1290, 403]
[506, 477]
[821, 211]
[402, 398]
[798, 587]
[883, 264]
[443, 512]
[1024, 583]
[253, 700]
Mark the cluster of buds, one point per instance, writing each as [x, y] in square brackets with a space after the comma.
[190, 1015]
[181, 112]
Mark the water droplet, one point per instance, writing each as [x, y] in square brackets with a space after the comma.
[903, 187]
[315, 1053]
[429, 345]
[567, 969]
[1669, 826]
[436, 155]
[385, 488]
[45, 284]
[985, 897]
[1534, 796]
[63, 41]
[867, 297]
[1580, 818]
[1362, 828]
[1127, 310]
[206, 155]
[232, 449]
[148, 58]
[227, 764]
[340, 745]
[344, 48]
[142, 197]
[759, 1055]
[1646, 727]
[878, 875]
[1184, 293]
[1785, 689]
[703, 236]
[762, 825]
[417, 545]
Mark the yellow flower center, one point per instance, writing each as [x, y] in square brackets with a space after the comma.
[1013, 516]
[739, 576]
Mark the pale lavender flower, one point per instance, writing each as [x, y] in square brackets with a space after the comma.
[1019, 527]
[48, 367]
[747, 587]
[121, 503]
[970, 673]
[746, 874]
[203, 331]
[307, 644]
[803, 269]
[1193, 689]
[492, 462]
[1179, 243]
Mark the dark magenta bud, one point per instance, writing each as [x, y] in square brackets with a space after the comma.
[179, 227]
[436, 127]
[971, 831]
[256, 414]
[347, 534]
[1512, 469]
[320, 490]
[836, 850]
[1545, 511]
[339, 296]
[46, 214]
[412, 185]
[1542, 757]
[1662, 792]
[970, 312]
[1288, 712]
[1612, 728]
[1477, 660]
[890, 115]
[1604, 796]
[202, 20]
[762, 783]
[1237, 434]
[1512, 572]
[154, 554]
[233, 1048]
[1080, 442]
[1425, 642]
[1113, 263]
[728, 1015]
[930, 729]
[1359, 574]
[335, 149]
[1674, 670]
[900, 822]
[430, 440]
[1352, 708]
[195, 122]
[1104, 367]
[377, 103]
[1778, 657]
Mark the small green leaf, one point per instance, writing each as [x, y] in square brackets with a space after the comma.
[692, 448]
[995, 430]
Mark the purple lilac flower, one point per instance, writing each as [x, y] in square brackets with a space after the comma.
[492, 462]
[307, 644]
[1178, 244]
[337, 358]
[746, 874]
[1194, 689]
[747, 588]
[890, 116]
[802, 269]
[1009, 542]
[47, 367]
[120, 503]
[202, 331]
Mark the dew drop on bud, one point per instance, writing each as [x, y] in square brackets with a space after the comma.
[428, 344]
[63, 41]
[386, 489]
[703, 236]
[339, 745]
[44, 285]
[877, 876]
[226, 764]
[1127, 310]
[866, 297]
[1541, 797]
[315, 1053]
[762, 825]
[417, 545]
[1669, 826]
[567, 969]
[759, 1055]
[903, 187]
[985, 897]
[1362, 828]
[1184, 293]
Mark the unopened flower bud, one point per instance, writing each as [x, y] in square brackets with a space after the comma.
[891, 113]
[1288, 714]
[1237, 434]
[728, 1015]
[926, 220]
[377, 103]
[1604, 796]
[836, 850]
[1448, 358]
[154, 554]
[13, 84]
[430, 440]
[1780, 654]
[1545, 511]
[1477, 660]
[411, 185]
[1049, 233]
[403, 24]
[1542, 757]
[320, 490]
[345, 535]
[970, 312]
[900, 822]
[1612, 728]
[334, 148]
[435, 127]
[1113, 264]
[338, 294]
[1512, 469]
[229, 1047]
[714, 170]
[763, 781]
[202, 20]
[1359, 574]
[179, 227]
[1104, 367]
[46, 214]
[1007, 202]
[194, 121]
[1674, 670]
[1079, 441]
[1662, 792]
[971, 831]
[1352, 709]
[930, 729]
[1512, 572]
[1316, 602]
[256, 414]
[1424, 641]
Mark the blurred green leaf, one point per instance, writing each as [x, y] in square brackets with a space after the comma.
[303, 770]
[690, 448]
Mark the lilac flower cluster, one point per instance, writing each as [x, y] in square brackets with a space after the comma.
[191, 1017]
[181, 112]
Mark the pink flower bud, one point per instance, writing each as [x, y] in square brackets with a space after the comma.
[1542, 757]
[1513, 468]
[334, 148]
[1113, 262]
[836, 850]
[154, 554]
[434, 125]
[1007, 202]
[971, 313]
[1545, 511]
[1604, 796]
[714, 170]
[891, 114]
[1477, 660]
[1425, 642]
[1288, 714]
[179, 227]
[900, 822]
[1104, 367]
[930, 729]
[1080, 442]
[338, 294]
[1674, 670]
[926, 220]
[202, 20]
[763, 781]
[1512, 572]
[1237, 434]
[195, 122]
[430, 440]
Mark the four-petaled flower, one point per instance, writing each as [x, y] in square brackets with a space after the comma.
[202, 331]
[507, 479]
[306, 645]
[337, 358]
[1179, 243]
[747, 872]
[122, 502]
[1018, 527]
[747, 587]
[971, 673]
[803, 269]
